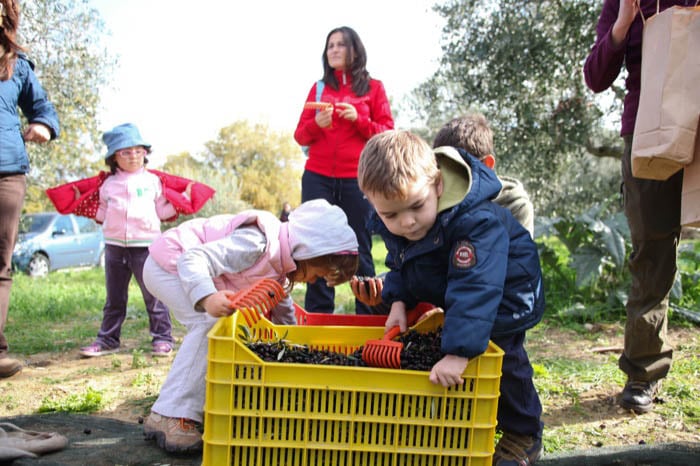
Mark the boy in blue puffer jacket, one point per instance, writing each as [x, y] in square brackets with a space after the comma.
[449, 244]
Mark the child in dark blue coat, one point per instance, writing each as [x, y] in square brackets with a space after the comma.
[449, 244]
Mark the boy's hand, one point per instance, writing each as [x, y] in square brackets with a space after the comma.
[218, 304]
[448, 371]
[397, 316]
[367, 290]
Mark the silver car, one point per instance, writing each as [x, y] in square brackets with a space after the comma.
[50, 241]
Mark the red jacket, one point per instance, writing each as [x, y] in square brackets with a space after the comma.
[87, 200]
[335, 151]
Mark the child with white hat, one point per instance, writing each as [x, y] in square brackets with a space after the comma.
[196, 267]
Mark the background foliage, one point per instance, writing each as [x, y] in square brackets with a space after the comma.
[64, 40]
[521, 65]
[518, 63]
[248, 164]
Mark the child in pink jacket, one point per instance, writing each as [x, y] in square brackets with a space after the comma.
[131, 207]
[196, 267]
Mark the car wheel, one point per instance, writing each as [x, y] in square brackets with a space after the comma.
[101, 260]
[38, 266]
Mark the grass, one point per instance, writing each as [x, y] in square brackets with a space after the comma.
[87, 402]
[64, 310]
[577, 388]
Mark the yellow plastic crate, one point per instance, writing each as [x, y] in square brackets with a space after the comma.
[268, 414]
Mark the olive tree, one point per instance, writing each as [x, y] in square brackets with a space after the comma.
[63, 39]
[520, 63]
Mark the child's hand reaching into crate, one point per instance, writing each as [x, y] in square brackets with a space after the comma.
[448, 371]
[217, 304]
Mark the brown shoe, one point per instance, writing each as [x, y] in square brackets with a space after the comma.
[9, 367]
[173, 434]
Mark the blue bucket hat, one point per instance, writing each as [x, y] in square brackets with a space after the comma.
[123, 136]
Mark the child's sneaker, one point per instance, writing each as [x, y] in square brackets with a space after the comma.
[517, 450]
[173, 434]
[161, 349]
[96, 350]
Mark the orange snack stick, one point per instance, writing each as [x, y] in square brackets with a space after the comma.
[317, 105]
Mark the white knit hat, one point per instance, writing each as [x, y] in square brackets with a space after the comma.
[317, 228]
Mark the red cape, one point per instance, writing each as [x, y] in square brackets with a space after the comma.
[82, 197]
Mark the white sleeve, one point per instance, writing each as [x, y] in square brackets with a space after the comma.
[199, 265]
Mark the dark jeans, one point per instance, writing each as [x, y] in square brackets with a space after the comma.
[345, 193]
[120, 264]
[519, 407]
[12, 190]
[653, 213]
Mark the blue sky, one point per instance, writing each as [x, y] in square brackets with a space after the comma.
[187, 69]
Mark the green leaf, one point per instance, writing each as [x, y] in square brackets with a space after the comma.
[244, 334]
[588, 263]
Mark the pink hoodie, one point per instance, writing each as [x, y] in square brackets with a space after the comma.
[131, 208]
[275, 263]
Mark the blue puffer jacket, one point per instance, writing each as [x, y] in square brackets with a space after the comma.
[23, 90]
[477, 262]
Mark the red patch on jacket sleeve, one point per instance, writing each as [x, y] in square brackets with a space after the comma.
[464, 256]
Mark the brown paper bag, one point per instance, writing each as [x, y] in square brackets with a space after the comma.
[669, 103]
[690, 195]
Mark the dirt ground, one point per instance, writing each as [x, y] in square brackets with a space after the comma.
[129, 383]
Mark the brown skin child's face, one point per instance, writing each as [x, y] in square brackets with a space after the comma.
[311, 273]
[414, 216]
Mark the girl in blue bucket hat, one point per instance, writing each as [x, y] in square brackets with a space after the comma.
[130, 202]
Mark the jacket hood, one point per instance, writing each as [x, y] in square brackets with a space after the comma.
[317, 228]
[466, 180]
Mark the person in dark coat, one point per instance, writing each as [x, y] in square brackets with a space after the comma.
[449, 244]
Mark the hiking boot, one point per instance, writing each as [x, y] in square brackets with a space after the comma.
[9, 367]
[96, 350]
[161, 349]
[639, 396]
[517, 450]
[173, 434]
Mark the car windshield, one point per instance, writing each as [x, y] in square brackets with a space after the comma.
[34, 223]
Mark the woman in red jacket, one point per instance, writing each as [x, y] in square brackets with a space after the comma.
[350, 108]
